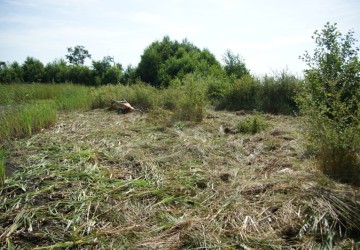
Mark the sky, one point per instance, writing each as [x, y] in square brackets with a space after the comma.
[269, 35]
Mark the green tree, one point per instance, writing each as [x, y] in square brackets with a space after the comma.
[5, 73]
[33, 70]
[331, 101]
[234, 65]
[129, 76]
[17, 73]
[107, 71]
[56, 71]
[81, 74]
[165, 60]
[77, 55]
[12, 73]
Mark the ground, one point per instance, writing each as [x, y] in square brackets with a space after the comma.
[99, 180]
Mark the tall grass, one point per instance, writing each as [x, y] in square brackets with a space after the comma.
[74, 97]
[143, 96]
[270, 94]
[191, 102]
[28, 108]
[277, 93]
[2, 166]
[184, 100]
[26, 119]
[20, 93]
[242, 95]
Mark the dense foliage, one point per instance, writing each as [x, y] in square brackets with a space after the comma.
[234, 65]
[165, 60]
[271, 94]
[331, 101]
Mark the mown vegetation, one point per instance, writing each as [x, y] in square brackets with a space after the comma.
[216, 159]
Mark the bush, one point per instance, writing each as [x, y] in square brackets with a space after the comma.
[330, 99]
[271, 94]
[192, 98]
[166, 60]
[242, 95]
[277, 94]
[251, 125]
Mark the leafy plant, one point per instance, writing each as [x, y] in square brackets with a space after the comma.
[234, 65]
[77, 55]
[191, 103]
[252, 125]
[242, 95]
[167, 60]
[33, 70]
[277, 93]
[330, 99]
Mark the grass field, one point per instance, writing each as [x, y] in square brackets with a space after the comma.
[98, 180]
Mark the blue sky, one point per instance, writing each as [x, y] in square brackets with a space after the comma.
[269, 35]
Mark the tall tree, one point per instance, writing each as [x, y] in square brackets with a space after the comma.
[234, 65]
[56, 71]
[33, 70]
[77, 55]
[165, 60]
[106, 71]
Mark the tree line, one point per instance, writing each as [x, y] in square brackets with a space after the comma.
[161, 62]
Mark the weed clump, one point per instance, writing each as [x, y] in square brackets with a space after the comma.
[252, 125]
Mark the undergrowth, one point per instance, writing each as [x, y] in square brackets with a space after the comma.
[252, 124]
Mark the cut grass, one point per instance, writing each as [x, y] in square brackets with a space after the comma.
[107, 181]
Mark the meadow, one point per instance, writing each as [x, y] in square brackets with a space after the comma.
[181, 174]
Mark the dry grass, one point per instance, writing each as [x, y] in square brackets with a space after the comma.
[98, 180]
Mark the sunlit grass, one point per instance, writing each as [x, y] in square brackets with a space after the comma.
[26, 119]
[28, 108]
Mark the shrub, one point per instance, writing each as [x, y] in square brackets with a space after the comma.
[102, 96]
[145, 96]
[242, 95]
[251, 125]
[277, 93]
[330, 99]
[166, 60]
[192, 98]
